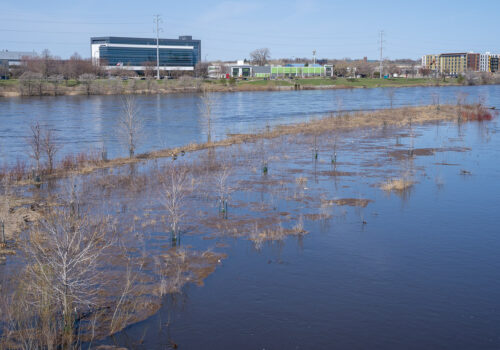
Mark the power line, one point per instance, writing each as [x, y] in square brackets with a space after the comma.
[17, 20]
[59, 32]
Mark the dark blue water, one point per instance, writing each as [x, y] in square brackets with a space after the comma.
[90, 123]
[420, 273]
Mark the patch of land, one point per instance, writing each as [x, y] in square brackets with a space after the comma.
[14, 88]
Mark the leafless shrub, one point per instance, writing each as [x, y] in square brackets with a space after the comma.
[18, 170]
[115, 86]
[31, 84]
[301, 180]
[125, 306]
[87, 80]
[398, 185]
[35, 143]
[186, 81]
[486, 78]
[130, 125]
[50, 148]
[4, 209]
[56, 80]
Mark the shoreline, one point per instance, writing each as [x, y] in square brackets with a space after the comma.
[250, 86]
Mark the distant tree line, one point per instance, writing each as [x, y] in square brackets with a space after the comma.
[47, 65]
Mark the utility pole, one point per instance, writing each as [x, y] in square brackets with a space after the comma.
[157, 22]
[381, 53]
[314, 57]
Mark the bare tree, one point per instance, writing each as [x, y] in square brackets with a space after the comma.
[201, 70]
[175, 190]
[341, 69]
[87, 80]
[63, 256]
[149, 74]
[222, 188]
[35, 143]
[130, 125]
[50, 148]
[56, 80]
[425, 72]
[47, 63]
[260, 56]
[363, 68]
[31, 84]
[394, 69]
[206, 106]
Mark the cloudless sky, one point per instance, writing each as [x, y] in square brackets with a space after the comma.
[229, 30]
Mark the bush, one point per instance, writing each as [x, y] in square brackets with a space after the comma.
[476, 113]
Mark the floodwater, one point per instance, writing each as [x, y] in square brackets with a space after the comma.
[416, 269]
[86, 123]
[368, 268]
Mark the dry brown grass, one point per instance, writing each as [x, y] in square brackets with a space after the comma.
[398, 185]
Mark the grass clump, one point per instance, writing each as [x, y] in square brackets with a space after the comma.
[398, 185]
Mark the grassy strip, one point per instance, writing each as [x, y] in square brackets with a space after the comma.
[11, 88]
[361, 82]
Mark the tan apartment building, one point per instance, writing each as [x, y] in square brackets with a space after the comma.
[453, 63]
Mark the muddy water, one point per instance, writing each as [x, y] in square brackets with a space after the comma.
[90, 123]
[400, 270]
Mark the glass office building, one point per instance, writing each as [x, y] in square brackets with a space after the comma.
[134, 53]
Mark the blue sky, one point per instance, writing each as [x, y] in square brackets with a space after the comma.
[231, 29]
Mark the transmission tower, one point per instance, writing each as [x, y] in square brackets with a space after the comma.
[157, 21]
[381, 53]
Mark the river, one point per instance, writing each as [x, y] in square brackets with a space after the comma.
[89, 123]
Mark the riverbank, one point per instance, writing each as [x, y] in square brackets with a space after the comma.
[15, 88]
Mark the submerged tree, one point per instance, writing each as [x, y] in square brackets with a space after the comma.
[206, 106]
[130, 125]
[35, 143]
[222, 188]
[175, 190]
[50, 148]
